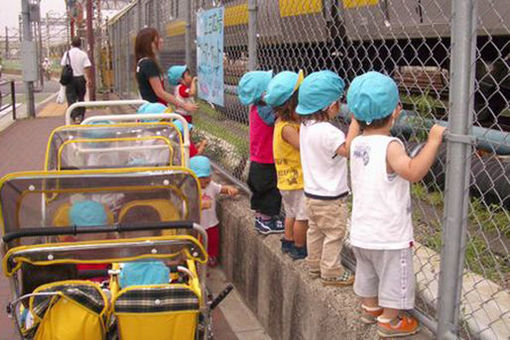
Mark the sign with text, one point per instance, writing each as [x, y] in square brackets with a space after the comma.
[210, 28]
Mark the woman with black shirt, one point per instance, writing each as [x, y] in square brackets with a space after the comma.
[148, 73]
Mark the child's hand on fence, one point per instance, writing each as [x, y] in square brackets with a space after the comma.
[232, 191]
[436, 134]
[206, 203]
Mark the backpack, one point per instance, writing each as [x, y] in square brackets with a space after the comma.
[67, 72]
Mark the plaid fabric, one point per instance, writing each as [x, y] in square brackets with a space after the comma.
[86, 295]
[156, 299]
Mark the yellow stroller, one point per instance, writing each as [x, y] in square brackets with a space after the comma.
[44, 247]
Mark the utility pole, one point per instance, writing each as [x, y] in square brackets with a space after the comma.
[6, 43]
[47, 34]
[29, 58]
[90, 39]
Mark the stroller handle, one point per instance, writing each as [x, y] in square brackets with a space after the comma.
[74, 230]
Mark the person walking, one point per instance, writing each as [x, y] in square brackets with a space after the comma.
[76, 89]
[148, 72]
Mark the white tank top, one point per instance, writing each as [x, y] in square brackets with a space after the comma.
[381, 211]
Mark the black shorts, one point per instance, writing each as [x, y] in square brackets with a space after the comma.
[262, 181]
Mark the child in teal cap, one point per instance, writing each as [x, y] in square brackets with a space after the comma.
[201, 166]
[193, 149]
[185, 87]
[381, 222]
[262, 180]
[149, 108]
[282, 95]
[324, 151]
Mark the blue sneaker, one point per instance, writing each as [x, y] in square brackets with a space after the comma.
[298, 253]
[262, 226]
[286, 245]
[277, 226]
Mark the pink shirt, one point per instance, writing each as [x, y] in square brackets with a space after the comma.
[261, 138]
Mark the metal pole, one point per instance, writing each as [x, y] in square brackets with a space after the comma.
[187, 37]
[48, 34]
[90, 40]
[27, 35]
[252, 35]
[459, 150]
[6, 43]
[13, 99]
[139, 14]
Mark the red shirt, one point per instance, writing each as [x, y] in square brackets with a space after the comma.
[261, 138]
[192, 149]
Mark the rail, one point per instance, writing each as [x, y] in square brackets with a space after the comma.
[11, 93]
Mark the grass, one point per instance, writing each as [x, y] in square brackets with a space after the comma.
[479, 257]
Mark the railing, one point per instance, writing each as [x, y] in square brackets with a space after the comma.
[11, 93]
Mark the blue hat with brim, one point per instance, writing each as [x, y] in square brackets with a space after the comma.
[318, 91]
[282, 87]
[99, 132]
[252, 86]
[200, 165]
[148, 108]
[143, 273]
[175, 74]
[372, 96]
[178, 125]
[87, 213]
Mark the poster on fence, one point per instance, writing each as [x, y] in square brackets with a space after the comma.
[210, 55]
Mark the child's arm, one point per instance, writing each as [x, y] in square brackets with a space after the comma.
[414, 169]
[193, 87]
[201, 147]
[344, 149]
[229, 190]
[291, 136]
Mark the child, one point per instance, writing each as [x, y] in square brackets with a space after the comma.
[185, 87]
[193, 149]
[210, 189]
[282, 93]
[382, 231]
[266, 199]
[149, 108]
[146, 272]
[324, 151]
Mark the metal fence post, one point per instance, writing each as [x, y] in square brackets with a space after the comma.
[187, 36]
[462, 69]
[252, 35]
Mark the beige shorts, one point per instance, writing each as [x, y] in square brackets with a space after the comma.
[294, 204]
[387, 274]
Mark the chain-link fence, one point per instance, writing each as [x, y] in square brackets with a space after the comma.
[451, 60]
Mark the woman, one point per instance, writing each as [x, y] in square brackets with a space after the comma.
[148, 73]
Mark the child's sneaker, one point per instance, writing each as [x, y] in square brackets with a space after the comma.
[314, 274]
[276, 226]
[369, 314]
[286, 245]
[346, 279]
[298, 253]
[402, 325]
[262, 226]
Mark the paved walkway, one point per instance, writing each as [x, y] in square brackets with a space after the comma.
[22, 148]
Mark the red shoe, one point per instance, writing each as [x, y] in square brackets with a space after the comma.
[402, 325]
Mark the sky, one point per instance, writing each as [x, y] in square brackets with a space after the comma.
[9, 14]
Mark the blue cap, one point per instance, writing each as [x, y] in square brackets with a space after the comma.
[318, 91]
[175, 74]
[282, 87]
[252, 86]
[178, 124]
[99, 132]
[151, 108]
[372, 96]
[87, 213]
[142, 273]
[200, 165]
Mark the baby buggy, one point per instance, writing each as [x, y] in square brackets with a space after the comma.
[47, 248]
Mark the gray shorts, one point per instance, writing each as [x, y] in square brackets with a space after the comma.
[294, 204]
[387, 274]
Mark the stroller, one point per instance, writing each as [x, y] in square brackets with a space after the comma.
[46, 251]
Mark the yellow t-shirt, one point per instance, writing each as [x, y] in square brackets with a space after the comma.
[287, 160]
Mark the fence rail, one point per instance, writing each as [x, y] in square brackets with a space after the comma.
[451, 60]
[8, 90]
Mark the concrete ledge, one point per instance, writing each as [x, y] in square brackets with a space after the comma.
[288, 304]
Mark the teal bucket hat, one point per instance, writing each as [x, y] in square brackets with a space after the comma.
[175, 73]
[151, 108]
[178, 125]
[282, 87]
[142, 273]
[87, 213]
[98, 133]
[201, 166]
[372, 96]
[252, 86]
[318, 91]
